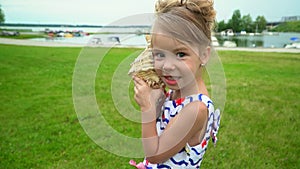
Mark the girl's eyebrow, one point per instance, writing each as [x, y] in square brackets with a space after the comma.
[180, 48]
[157, 50]
[175, 49]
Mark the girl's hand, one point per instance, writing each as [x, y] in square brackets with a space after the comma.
[147, 98]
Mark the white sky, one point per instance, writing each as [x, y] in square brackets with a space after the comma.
[100, 12]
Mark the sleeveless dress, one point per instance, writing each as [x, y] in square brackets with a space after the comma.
[189, 157]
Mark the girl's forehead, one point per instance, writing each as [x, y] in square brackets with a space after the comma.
[162, 40]
[168, 43]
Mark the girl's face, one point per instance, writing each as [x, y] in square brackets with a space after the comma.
[176, 63]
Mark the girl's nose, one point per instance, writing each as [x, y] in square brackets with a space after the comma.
[168, 65]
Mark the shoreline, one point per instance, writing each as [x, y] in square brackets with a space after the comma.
[23, 42]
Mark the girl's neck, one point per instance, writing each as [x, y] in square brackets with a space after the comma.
[190, 90]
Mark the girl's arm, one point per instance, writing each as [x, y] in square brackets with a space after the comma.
[179, 131]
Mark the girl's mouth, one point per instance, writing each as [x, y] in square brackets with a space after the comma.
[170, 80]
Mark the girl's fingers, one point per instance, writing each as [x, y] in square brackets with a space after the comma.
[135, 89]
[138, 81]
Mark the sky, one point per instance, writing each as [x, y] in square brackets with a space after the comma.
[100, 12]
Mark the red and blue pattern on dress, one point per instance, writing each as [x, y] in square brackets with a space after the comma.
[190, 156]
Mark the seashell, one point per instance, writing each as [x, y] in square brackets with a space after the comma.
[143, 67]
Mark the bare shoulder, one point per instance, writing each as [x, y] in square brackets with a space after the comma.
[196, 108]
[195, 112]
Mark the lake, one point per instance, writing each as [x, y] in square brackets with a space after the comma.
[130, 36]
[102, 39]
[277, 40]
[268, 40]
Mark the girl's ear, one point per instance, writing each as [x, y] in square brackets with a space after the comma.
[205, 55]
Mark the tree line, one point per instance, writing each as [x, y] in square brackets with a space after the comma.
[240, 23]
[2, 16]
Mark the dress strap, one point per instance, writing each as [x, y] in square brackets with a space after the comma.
[215, 126]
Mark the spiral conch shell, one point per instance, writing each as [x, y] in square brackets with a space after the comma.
[143, 67]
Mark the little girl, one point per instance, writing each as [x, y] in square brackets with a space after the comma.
[177, 125]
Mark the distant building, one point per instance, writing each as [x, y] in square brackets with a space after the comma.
[290, 18]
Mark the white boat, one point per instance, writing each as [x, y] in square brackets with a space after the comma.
[230, 32]
[293, 45]
[229, 44]
[243, 33]
[214, 41]
[227, 32]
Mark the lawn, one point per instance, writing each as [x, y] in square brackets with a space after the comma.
[40, 129]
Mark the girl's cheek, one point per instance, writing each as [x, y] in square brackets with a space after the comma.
[158, 70]
[158, 65]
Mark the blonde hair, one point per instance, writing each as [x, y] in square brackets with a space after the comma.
[199, 13]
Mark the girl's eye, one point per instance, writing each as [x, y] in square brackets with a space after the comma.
[180, 54]
[158, 55]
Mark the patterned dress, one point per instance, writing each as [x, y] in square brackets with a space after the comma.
[190, 156]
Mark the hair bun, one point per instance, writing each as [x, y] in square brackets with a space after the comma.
[201, 7]
[163, 6]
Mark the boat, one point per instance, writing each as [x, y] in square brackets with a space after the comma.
[96, 40]
[114, 39]
[243, 33]
[229, 44]
[229, 32]
[214, 41]
[68, 35]
[294, 45]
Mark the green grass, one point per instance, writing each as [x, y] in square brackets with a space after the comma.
[259, 126]
[39, 127]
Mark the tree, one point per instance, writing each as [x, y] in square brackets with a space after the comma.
[2, 16]
[260, 23]
[235, 21]
[247, 23]
[221, 26]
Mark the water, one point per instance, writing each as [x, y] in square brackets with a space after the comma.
[85, 29]
[278, 40]
[271, 40]
[128, 36]
[105, 39]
